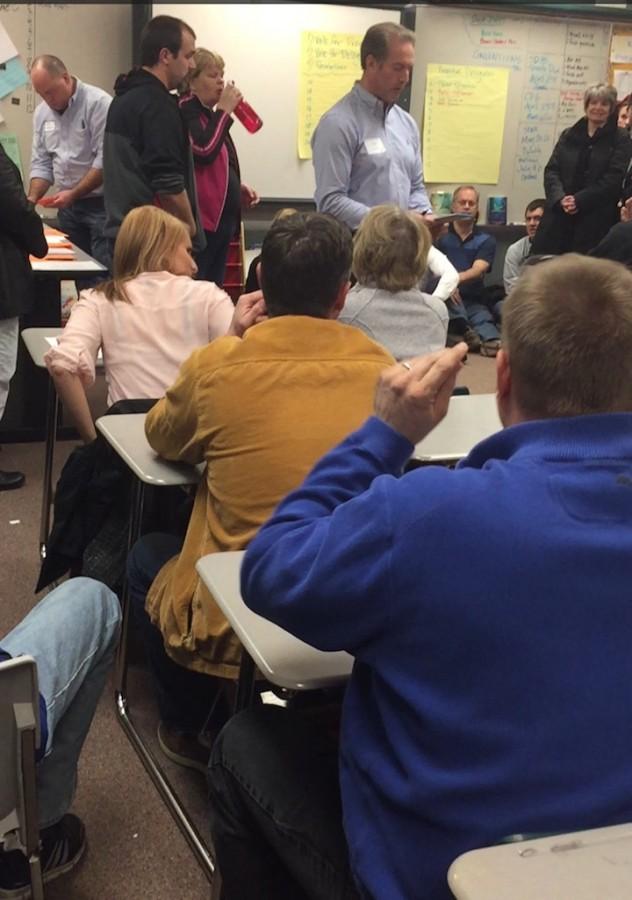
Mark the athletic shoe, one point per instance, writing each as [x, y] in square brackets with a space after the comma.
[490, 348]
[61, 848]
[183, 748]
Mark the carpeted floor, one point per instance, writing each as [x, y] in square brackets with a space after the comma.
[135, 849]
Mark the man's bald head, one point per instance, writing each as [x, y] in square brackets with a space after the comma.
[52, 81]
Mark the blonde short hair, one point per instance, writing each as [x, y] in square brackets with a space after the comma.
[202, 58]
[601, 91]
[390, 249]
[146, 241]
[567, 328]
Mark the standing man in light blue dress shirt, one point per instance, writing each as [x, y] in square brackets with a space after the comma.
[68, 152]
[366, 148]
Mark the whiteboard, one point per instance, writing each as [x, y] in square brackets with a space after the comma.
[550, 61]
[260, 44]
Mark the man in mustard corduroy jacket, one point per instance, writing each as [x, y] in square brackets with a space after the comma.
[259, 411]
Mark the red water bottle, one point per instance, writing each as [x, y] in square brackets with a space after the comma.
[248, 117]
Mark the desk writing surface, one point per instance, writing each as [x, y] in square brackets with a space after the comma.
[39, 341]
[36, 343]
[282, 658]
[584, 865]
[126, 434]
[470, 419]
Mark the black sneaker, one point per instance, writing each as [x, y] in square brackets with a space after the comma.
[62, 846]
[9, 481]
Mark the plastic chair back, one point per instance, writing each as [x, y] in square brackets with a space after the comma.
[19, 737]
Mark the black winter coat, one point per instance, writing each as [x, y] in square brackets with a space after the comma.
[606, 161]
[21, 233]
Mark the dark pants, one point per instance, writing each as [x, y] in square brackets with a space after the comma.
[276, 817]
[480, 315]
[617, 244]
[84, 222]
[188, 701]
[212, 260]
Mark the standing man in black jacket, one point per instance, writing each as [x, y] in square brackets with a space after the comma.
[146, 154]
[21, 233]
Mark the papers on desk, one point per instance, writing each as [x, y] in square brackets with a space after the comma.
[59, 247]
[60, 253]
[57, 240]
[62, 256]
[49, 264]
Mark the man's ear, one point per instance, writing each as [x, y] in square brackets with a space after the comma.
[503, 374]
[504, 393]
[339, 302]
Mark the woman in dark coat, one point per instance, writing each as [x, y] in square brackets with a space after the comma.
[21, 233]
[583, 178]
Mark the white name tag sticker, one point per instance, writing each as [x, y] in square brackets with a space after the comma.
[49, 126]
[374, 145]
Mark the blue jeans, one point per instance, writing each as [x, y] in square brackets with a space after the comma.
[84, 222]
[188, 701]
[276, 816]
[72, 634]
[482, 317]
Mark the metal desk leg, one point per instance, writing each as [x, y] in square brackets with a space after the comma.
[52, 415]
[170, 798]
[246, 682]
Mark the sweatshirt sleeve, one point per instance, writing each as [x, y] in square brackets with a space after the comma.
[161, 156]
[320, 567]
[207, 133]
[18, 217]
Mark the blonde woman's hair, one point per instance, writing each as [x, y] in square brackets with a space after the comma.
[567, 329]
[390, 249]
[202, 58]
[283, 213]
[146, 241]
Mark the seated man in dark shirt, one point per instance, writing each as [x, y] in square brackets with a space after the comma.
[471, 252]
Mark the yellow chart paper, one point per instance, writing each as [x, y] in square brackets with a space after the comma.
[464, 122]
[329, 64]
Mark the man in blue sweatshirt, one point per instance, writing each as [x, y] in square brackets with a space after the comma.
[487, 698]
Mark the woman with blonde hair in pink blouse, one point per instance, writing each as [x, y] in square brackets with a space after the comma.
[147, 320]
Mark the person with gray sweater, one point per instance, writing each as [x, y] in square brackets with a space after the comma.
[389, 258]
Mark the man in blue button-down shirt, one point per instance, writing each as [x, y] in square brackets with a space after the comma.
[68, 152]
[365, 148]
